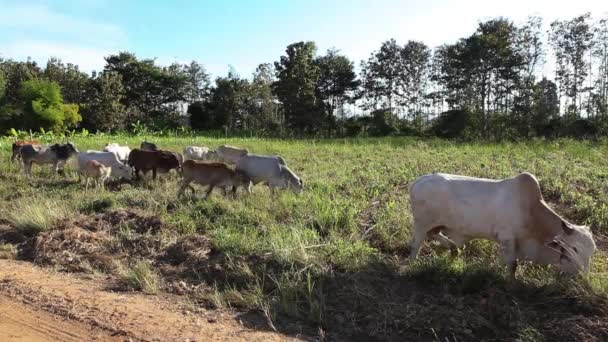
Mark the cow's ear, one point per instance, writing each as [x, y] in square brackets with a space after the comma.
[567, 228]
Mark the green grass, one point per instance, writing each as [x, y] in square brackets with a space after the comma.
[33, 216]
[141, 277]
[334, 256]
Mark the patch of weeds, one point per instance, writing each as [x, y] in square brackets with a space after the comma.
[140, 276]
[98, 205]
[37, 215]
[8, 251]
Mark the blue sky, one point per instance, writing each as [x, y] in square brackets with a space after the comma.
[245, 33]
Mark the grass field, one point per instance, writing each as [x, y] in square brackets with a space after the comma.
[331, 261]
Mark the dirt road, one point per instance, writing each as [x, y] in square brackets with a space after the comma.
[40, 305]
[18, 322]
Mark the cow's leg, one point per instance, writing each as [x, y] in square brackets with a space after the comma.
[27, 168]
[59, 167]
[420, 235]
[508, 250]
[416, 244]
[182, 188]
[137, 174]
[211, 186]
[437, 233]
[86, 184]
[154, 174]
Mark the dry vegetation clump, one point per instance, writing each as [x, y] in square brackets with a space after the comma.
[99, 242]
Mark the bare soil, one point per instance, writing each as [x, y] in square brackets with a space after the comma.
[80, 307]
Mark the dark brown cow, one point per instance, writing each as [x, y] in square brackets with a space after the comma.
[20, 143]
[211, 174]
[157, 161]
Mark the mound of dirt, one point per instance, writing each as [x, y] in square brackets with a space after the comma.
[195, 248]
[74, 249]
[100, 242]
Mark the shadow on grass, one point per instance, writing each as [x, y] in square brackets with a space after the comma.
[428, 300]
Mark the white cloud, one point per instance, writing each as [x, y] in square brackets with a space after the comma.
[39, 32]
[87, 58]
[41, 20]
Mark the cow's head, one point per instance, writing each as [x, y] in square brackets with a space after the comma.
[293, 181]
[122, 171]
[575, 246]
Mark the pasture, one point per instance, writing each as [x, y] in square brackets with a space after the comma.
[331, 261]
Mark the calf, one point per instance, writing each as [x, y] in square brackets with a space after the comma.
[121, 152]
[161, 161]
[109, 159]
[270, 170]
[97, 171]
[455, 209]
[57, 154]
[211, 174]
[17, 147]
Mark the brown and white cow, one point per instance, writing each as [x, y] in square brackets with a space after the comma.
[455, 209]
[213, 175]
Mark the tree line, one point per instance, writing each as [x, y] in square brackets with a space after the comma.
[493, 84]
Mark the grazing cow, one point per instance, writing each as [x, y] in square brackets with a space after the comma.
[109, 159]
[211, 174]
[148, 146]
[161, 161]
[121, 152]
[57, 154]
[20, 143]
[270, 170]
[230, 154]
[455, 209]
[97, 171]
[198, 153]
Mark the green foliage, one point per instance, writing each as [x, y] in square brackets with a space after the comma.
[296, 86]
[44, 107]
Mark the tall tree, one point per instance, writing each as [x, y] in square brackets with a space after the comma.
[297, 79]
[337, 82]
[104, 110]
[380, 76]
[415, 59]
[571, 41]
[71, 80]
[198, 82]
[600, 53]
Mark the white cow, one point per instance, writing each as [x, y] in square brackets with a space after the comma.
[121, 152]
[119, 170]
[455, 209]
[270, 170]
[199, 153]
[230, 154]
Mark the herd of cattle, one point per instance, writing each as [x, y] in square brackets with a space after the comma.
[198, 164]
[450, 209]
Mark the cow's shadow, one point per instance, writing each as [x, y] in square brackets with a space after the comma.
[433, 299]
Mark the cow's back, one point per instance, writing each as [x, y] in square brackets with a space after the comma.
[465, 203]
[259, 168]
